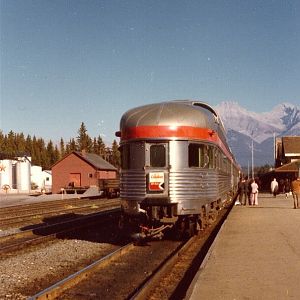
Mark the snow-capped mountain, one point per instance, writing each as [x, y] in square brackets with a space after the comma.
[244, 126]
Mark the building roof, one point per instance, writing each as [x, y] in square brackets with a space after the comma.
[96, 161]
[92, 159]
[291, 145]
[291, 167]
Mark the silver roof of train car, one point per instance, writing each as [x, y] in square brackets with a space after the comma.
[176, 112]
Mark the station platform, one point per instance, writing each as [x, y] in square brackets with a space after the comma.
[256, 255]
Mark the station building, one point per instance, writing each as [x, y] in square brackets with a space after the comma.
[287, 150]
[287, 161]
[81, 170]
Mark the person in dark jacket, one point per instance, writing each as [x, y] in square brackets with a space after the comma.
[243, 191]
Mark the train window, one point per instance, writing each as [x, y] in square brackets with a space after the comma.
[137, 155]
[125, 155]
[157, 156]
[211, 157]
[197, 156]
[217, 158]
[226, 165]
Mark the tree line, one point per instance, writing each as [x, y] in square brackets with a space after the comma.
[46, 154]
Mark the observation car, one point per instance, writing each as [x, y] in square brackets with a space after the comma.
[177, 169]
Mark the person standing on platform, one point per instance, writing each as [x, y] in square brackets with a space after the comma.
[296, 192]
[274, 187]
[254, 193]
[249, 181]
[281, 186]
[287, 187]
[243, 191]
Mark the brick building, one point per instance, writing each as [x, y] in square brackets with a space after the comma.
[81, 169]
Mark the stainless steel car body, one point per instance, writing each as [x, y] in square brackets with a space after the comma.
[175, 126]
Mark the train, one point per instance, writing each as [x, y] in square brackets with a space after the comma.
[177, 170]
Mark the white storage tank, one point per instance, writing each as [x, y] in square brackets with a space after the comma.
[5, 173]
[23, 174]
[36, 177]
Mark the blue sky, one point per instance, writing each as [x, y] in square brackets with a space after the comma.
[67, 62]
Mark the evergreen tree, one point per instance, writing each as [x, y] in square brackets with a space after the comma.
[10, 148]
[51, 157]
[67, 151]
[72, 146]
[115, 155]
[107, 155]
[56, 155]
[1, 145]
[62, 149]
[28, 145]
[45, 155]
[84, 142]
[101, 147]
[95, 146]
[20, 144]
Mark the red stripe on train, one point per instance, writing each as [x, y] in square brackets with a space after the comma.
[186, 132]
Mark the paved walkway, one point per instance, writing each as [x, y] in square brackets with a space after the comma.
[255, 256]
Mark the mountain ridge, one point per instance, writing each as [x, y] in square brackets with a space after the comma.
[244, 126]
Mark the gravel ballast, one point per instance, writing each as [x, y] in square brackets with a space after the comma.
[23, 275]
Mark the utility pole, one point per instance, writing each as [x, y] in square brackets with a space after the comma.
[248, 173]
[252, 160]
[274, 149]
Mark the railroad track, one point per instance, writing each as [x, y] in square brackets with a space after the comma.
[37, 215]
[57, 289]
[43, 233]
[19, 210]
[135, 272]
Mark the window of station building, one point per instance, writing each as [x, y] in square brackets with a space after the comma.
[157, 156]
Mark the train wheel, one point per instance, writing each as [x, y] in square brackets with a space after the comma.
[123, 224]
[191, 227]
[186, 228]
[178, 230]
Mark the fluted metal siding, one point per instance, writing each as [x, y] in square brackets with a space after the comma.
[191, 184]
[133, 184]
[183, 185]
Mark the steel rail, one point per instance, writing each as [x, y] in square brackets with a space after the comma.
[55, 290]
[24, 218]
[23, 209]
[145, 290]
[91, 219]
[141, 292]
[37, 205]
